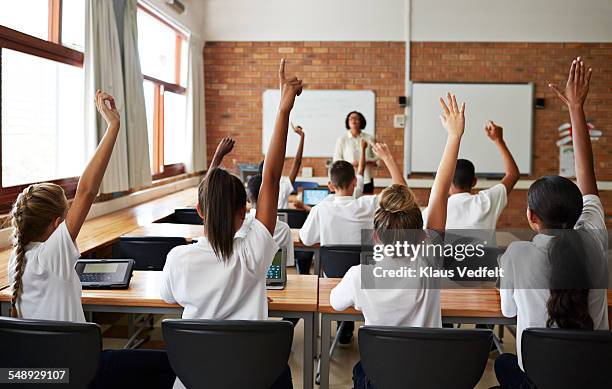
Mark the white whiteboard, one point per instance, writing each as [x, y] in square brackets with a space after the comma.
[508, 105]
[321, 113]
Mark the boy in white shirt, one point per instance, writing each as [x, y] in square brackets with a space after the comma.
[481, 210]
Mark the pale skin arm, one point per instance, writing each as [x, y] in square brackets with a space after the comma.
[89, 183]
[275, 158]
[362, 157]
[453, 119]
[512, 175]
[383, 152]
[297, 161]
[574, 95]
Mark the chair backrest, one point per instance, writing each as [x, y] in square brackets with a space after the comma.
[336, 260]
[200, 352]
[52, 344]
[295, 217]
[557, 358]
[424, 358]
[148, 252]
[187, 216]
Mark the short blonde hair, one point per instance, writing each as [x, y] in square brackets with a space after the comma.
[397, 210]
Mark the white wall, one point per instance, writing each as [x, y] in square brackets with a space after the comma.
[512, 20]
[304, 20]
[192, 19]
[385, 20]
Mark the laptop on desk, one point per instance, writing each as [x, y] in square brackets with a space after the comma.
[313, 197]
[277, 273]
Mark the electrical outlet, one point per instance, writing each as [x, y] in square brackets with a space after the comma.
[399, 121]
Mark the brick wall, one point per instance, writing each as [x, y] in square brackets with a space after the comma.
[238, 72]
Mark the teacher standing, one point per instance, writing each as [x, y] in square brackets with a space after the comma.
[348, 147]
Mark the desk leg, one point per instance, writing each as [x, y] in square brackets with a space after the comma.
[325, 345]
[309, 336]
[317, 262]
[5, 309]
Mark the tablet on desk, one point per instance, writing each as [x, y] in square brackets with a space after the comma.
[104, 273]
[277, 273]
[313, 197]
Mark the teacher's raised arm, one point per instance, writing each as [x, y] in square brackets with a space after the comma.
[348, 147]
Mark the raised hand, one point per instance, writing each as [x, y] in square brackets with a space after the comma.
[225, 146]
[494, 132]
[577, 86]
[298, 130]
[452, 118]
[382, 151]
[363, 144]
[109, 112]
[289, 88]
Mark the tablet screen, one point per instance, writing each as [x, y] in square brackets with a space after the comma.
[314, 196]
[275, 270]
[101, 267]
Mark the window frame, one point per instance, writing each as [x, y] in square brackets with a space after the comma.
[160, 169]
[50, 49]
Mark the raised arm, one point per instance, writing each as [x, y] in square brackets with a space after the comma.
[382, 151]
[496, 134]
[453, 120]
[275, 157]
[362, 157]
[574, 95]
[89, 183]
[297, 161]
[223, 148]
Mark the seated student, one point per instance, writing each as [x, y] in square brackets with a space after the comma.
[357, 192]
[45, 285]
[480, 210]
[418, 306]
[223, 276]
[286, 183]
[560, 211]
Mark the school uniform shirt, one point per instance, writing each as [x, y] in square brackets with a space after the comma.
[282, 235]
[414, 307]
[528, 263]
[348, 148]
[339, 221]
[475, 211]
[285, 188]
[51, 289]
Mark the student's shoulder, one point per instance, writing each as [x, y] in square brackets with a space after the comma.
[182, 253]
[368, 200]
[496, 191]
[518, 251]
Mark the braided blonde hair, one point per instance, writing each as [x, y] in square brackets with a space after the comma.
[32, 214]
[397, 210]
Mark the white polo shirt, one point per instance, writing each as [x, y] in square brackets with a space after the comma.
[51, 289]
[475, 211]
[418, 307]
[339, 221]
[282, 235]
[528, 262]
[285, 188]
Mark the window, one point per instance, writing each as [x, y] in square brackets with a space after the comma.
[41, 94]
[164, 67]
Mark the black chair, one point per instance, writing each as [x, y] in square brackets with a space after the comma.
[52, 344]
[295, 217]
[201, 352]
[336, 260]
[183, 216]
[559, 359]
[424, 358]
[148, 252]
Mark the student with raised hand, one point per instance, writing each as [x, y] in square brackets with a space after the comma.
[286, 183]
[571, 239]
[223, 276]
[225, 146]
[397, 209]
[481, 210]
[41, 271]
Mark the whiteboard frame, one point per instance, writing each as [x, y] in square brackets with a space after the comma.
[408, 128]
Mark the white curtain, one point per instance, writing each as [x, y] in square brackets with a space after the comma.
[103, 70]
[195, 122]
[139, 168]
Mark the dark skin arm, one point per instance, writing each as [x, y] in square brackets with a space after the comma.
[297, 161]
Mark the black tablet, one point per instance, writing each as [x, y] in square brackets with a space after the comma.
[104, 273]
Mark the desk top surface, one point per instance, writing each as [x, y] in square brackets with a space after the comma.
[187, 231]
[300, 294]
[105, 229]
[454, 302]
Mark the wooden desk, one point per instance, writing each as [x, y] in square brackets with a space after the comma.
[187, 231]
[470, 306]
[298, 300]
[106, 229]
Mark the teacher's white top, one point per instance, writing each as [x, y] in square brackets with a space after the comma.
[348, 148]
